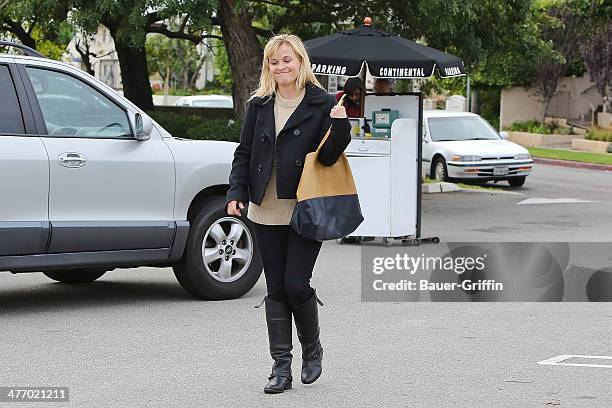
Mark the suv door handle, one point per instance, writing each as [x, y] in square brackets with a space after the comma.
[72, 160]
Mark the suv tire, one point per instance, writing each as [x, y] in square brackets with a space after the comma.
[226, 275]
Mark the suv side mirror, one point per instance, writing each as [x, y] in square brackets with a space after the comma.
[504, 135]
[143, 127]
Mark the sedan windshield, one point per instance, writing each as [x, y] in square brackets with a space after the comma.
[460, 128]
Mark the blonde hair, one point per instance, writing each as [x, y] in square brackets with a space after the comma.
[267, 84]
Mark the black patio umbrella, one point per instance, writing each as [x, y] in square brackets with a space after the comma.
[386, 55]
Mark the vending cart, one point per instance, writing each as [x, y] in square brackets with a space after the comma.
[386, 166]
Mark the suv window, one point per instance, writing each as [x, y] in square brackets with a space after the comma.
[70, 107]
[11, 121]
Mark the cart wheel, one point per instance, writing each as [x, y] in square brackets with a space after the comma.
[387, 242]
[435, 240]
[417, 242]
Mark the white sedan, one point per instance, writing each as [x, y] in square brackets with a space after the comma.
[206, 101]
[464, 146]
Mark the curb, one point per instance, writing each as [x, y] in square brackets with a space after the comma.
[445, 187]
[574, 164]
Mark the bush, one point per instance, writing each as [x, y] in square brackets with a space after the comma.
[533, 126]
[195, 127]
[216, 129]
[526, 126]
[601, 134]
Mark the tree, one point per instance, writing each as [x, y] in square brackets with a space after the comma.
[597, 54]
[174, 59]
[497, 40]
[129, 22]
[243, 50]
[38, 24]
[566, 26]
[224, 75]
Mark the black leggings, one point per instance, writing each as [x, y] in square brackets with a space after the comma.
[288, 261]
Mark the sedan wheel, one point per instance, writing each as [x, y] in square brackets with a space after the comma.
[440, 172]
[517, 181]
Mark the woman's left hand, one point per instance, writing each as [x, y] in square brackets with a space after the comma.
[338, 112]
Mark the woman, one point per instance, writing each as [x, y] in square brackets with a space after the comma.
[285, 119]
[353, 88]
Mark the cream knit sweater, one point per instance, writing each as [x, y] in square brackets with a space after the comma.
[274, 210]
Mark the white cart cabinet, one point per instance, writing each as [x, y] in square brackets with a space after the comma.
[386, 172]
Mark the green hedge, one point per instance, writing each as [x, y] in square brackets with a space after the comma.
[601, 134]
[194, 127]
[533, 126]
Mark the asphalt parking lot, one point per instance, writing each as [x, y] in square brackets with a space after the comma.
[557, 204]
[135, 338]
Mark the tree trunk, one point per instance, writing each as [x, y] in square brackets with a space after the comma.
[134, 72]
[474, 102]
[546, 103]
[194, 75]
[85, 52]
[243, 51]
[135, 75]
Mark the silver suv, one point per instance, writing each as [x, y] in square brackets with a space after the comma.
[91, 183]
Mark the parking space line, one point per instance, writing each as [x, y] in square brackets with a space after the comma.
[558, 360]
[536, 200]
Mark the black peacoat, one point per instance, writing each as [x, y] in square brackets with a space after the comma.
[304, 130]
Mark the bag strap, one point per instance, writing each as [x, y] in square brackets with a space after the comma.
[329, 130]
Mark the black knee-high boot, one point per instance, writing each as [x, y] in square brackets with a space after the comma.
[278, 318]
[307, 323]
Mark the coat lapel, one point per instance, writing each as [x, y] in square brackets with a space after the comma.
[299, 115]
[302, 112]
[268, 119]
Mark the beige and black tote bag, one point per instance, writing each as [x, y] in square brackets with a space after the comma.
[327, 203]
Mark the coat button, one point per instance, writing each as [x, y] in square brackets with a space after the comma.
[299, 162]
[259, 167]
[296, 132]
[262, 139]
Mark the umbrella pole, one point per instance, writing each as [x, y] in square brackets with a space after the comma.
[468, 93]
[363, 92]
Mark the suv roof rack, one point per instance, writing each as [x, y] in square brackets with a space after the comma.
[26, 50]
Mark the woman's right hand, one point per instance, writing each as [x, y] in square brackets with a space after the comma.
[232, 208]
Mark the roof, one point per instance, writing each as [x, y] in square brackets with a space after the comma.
[19, 57]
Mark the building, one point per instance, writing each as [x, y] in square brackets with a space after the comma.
[576, 100]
